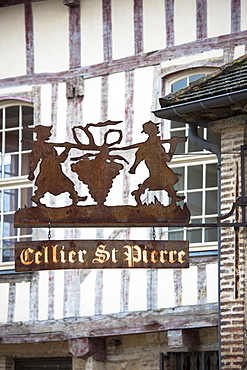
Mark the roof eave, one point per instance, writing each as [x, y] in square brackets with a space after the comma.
[181, 112]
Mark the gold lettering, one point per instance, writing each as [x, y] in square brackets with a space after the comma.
[133, 253]
[37, 256]
[72, 254]
[81, 255]
[25, 256]
[181, 254]
[153, 254]
[46, 254]
[54, 254]
[145, 255]
[102, 254]
[62, 252]
[171, 256]
[113, 255]
[163, 255]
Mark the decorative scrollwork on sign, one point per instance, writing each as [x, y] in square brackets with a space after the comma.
[97, 166]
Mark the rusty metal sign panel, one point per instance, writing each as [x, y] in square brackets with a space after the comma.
[91, 254]
[95, 166]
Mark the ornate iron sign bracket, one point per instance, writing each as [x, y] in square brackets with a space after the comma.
[96, 166]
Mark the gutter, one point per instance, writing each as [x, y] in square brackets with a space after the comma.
[206, 103]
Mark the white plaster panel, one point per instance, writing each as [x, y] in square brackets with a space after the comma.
[87, 294]
[22, 299]
[189, 286]
[4, 294]
[184, 21]
[116, 96]
[239, 51]
[45, 114]
[92, 100]
[111, 290]
[142, 100]
[58, 294]
[138, 290]
[243, 15]
[165, 289]
[91, 32]
[51, 36]
[219, 17]
[122, 28]
[154, 31]
[43, 295]
[61, 113]
[193, 58]
[12, 44]
[15, 89]
[212, 285]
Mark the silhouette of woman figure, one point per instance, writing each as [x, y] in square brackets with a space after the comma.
[152, 152]
[51, 177]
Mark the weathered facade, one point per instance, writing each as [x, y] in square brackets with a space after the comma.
[68, 63]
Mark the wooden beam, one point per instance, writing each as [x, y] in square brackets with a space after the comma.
[176, 318]
[132, 62]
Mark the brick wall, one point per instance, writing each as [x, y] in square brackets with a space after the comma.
[233, 247]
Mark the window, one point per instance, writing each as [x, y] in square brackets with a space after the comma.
[15, 189]
[197, 173]
[193, 360]
[44, 363]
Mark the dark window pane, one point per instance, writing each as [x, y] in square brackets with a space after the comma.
[12, 117]
[27, 116]
[176, 124]
[195, 203]
[25, 164]
[194, 78]
[27, 136]
[195, 174]
[1, 119]
[11, 141]
[1, 142]
[10, 198]
[179, 84]
[176, 235]
[194, 235]
[211, 202]
[26, 194]
[211, 175]
[9, 250]
[211, 234]
[11, 165]
[8, 226]
[179, 171]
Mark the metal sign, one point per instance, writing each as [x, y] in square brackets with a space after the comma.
[97, 165]
[91, 254]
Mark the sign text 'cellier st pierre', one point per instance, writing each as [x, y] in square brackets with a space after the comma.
[97, 165]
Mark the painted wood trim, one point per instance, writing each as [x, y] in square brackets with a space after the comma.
[132, 62]
[235, 15]
[138, 26]
[29, 38]
[107, 29]
[74, 36]
[169, 14]
[201, 19]
[187, 317]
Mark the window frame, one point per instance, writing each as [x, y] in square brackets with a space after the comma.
[188, 159]
[18, 182]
